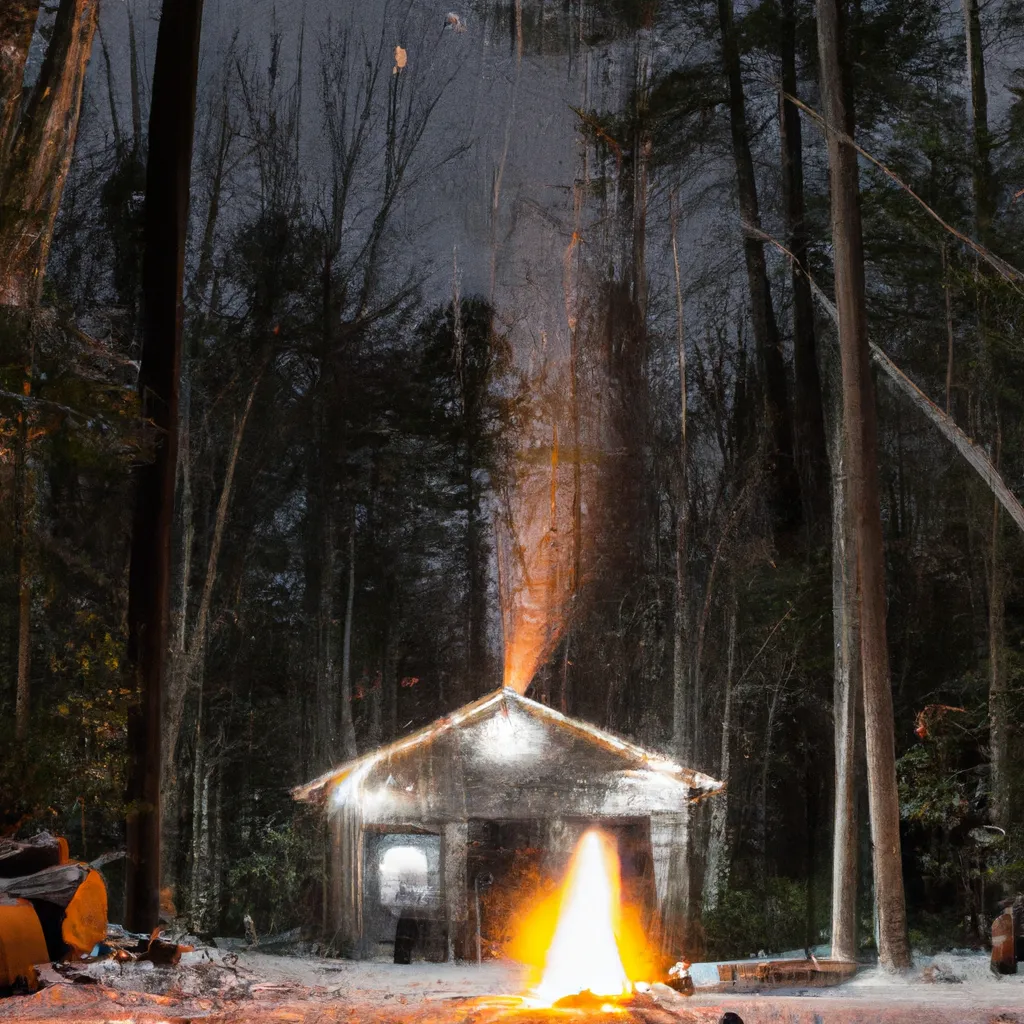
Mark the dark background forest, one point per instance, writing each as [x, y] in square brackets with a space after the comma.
[428, 364]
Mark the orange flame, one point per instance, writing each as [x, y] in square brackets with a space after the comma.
[534, 581]
[581, 940]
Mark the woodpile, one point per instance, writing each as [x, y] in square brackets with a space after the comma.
[760, 974]
[54, 911]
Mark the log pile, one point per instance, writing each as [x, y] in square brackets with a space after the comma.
[761, 974]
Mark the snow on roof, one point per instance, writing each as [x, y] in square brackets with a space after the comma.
[626, 758]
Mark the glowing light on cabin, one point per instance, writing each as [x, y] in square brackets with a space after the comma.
[584, 951]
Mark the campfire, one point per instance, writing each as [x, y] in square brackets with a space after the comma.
[583, 963]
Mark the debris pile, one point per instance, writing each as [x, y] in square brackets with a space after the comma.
[51, 908]
[53, 919]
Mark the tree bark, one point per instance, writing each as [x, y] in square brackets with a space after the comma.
[861, 456]
[168, 171]
[847, 693]
[786, 497]
[17, 22]
[34, 167]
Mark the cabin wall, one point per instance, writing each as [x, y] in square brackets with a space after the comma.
[670, 839]
[346, 903]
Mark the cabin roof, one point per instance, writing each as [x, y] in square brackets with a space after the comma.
[587, 742]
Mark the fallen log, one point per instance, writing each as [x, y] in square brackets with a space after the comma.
[20, 857]
[71, 903]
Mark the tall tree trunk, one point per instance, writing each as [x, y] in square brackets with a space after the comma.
[680, 654]
[200, 859]
[981, 139]
[22, 502]
[847, 694]
[984, 207]
[716, 876]
[476, 650]
[786, 497]
[348, 731]
[998, 692]
[168, 170]
[809, 429]
[133, 70]
[861, 457]
[325, 661]
[34, 167]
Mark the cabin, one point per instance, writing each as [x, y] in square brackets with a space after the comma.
[431, 835]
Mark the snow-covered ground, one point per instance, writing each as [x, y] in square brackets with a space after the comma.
[222, 987]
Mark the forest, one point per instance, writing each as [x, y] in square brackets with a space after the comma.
[659, 359]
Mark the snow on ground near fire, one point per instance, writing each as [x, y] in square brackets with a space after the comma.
[225, 988]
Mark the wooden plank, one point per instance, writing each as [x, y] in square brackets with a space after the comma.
[454, 837]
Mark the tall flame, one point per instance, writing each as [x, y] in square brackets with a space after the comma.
[584, 952]
[534, 574]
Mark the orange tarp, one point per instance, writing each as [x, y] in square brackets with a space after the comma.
[21, 944]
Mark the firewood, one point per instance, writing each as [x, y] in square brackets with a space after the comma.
[19, 857]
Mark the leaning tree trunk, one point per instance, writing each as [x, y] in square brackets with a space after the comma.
[861, 456]
[168, 171]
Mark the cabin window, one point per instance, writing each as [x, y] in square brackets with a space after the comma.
[405, 876]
